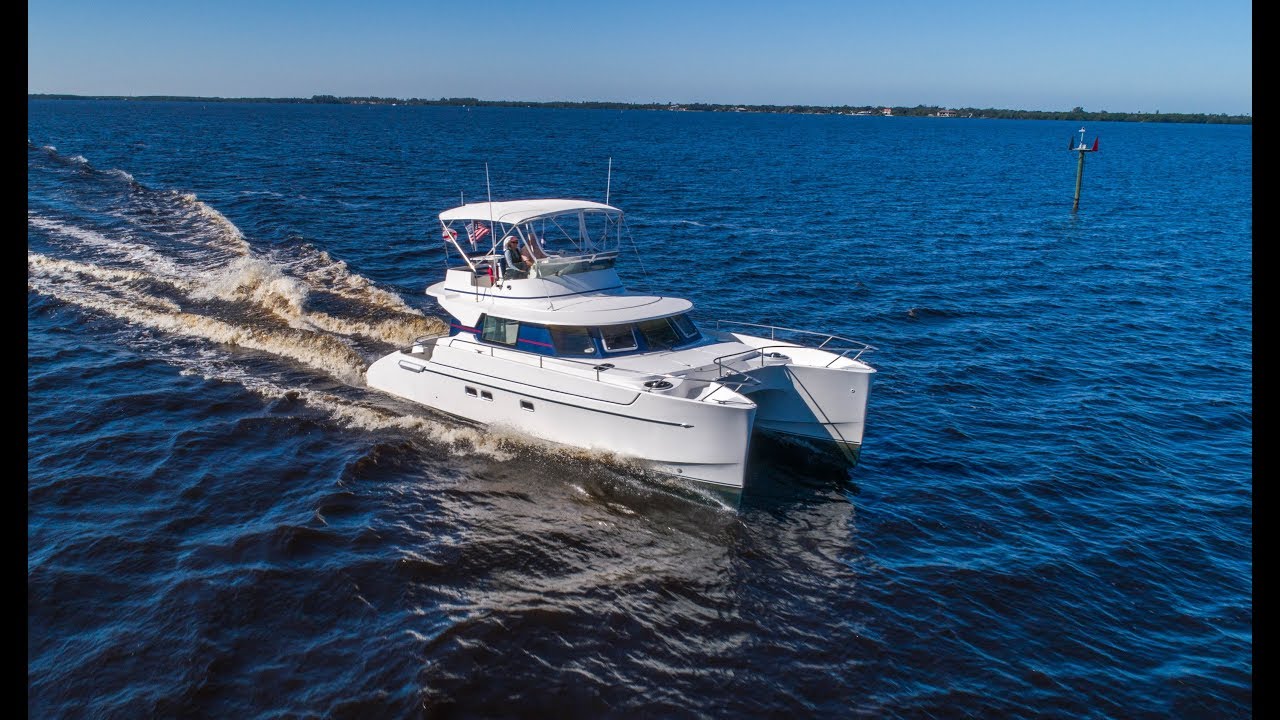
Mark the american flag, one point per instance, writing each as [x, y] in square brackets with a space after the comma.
[475, 231]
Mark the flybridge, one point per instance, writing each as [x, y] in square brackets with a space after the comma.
[540, 238]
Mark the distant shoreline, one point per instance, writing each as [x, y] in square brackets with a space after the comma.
[1078, 114]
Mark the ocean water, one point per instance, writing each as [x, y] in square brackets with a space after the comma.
[1052, 516]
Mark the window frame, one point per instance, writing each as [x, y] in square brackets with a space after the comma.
[697, 334]
[558, 347]
[484, 322]
[604, 342]
[675, 341]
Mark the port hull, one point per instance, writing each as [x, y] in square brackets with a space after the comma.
[703, 440]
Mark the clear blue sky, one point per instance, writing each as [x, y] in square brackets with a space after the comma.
[1121, 55]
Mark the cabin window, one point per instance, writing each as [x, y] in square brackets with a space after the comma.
[535, 338]
[486, 395]
[498, 330]
[573, 342]
[470, 391]
[526, 405]
[617, 338]
[685, 326]
[658, 334]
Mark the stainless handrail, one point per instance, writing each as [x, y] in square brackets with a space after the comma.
[751, 352]
[837, 350]
[424, 338]
[774, 329]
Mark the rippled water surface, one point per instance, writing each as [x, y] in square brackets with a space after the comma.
[1053, 513]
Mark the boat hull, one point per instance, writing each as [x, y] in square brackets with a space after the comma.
[822, 406]
[706, 441]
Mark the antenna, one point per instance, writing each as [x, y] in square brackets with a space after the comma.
[493, 236]
[608, 181]
[489, 191]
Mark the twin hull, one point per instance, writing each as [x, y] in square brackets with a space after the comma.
[704, 439]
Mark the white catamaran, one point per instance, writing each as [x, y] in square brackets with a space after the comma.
[544, 339]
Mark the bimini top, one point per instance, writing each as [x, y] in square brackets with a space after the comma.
[515, 212]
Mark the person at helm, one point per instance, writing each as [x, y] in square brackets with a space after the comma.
[513, 263]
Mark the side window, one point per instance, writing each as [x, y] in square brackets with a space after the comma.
[534, 338]
[572, 342]
[618, 338]
[685, 326]
[658, 334]
[498, 330]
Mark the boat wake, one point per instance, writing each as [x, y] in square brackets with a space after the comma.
[133, 297]
[195, 292]
[170, 264]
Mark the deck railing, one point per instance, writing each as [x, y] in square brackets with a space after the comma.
[836, 345]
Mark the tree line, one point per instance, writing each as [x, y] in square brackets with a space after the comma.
[1076, 113]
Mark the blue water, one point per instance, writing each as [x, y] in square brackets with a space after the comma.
[1052, 516]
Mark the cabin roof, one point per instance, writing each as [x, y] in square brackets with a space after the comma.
[587, 310]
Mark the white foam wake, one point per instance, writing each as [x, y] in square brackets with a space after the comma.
[265, 284]
[122, 294]
[345, 411]
[321, 270]
[72, 283]
[228, 232]
[121, 248]
[41, 268]
[256, 280]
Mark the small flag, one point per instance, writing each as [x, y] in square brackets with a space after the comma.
[449, 234]
[475, 231]
[1095, 145]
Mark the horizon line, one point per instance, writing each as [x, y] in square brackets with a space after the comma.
[1076, 113]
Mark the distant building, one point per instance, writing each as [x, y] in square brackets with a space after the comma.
[946, 113]
[887, 112]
